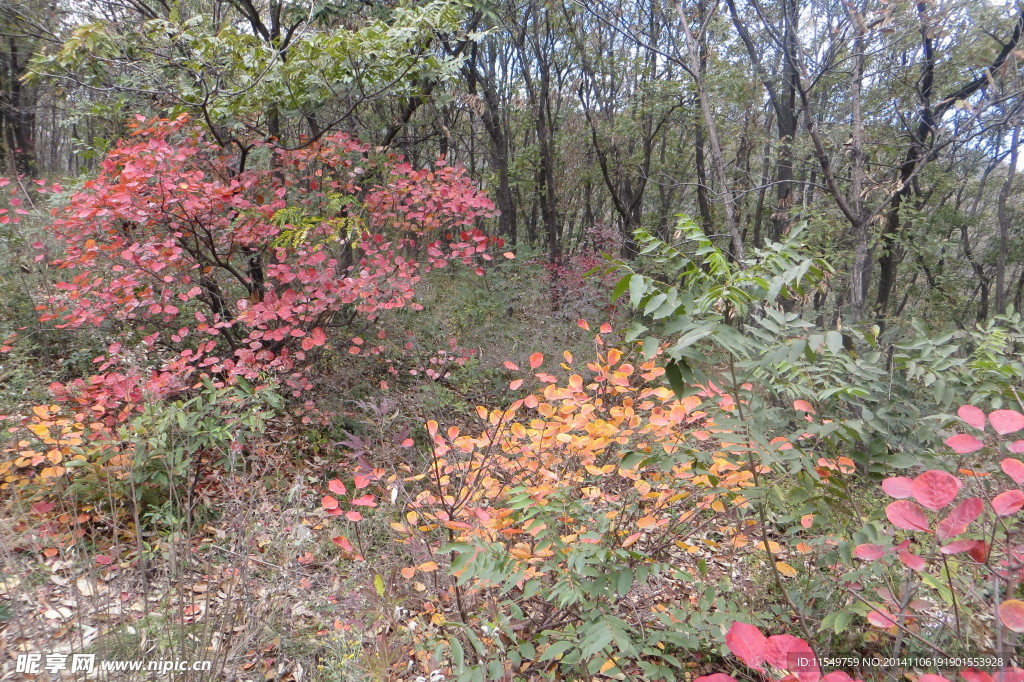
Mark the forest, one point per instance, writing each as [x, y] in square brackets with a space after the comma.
[511, 340]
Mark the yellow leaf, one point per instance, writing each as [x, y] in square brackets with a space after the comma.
[785, 569]
[428, 567]
[607, 665]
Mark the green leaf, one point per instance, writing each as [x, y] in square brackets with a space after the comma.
[598, 636]
[621, 286]
[624, 582]
[557, 649]
[834, 341]
[378, 584]
[458, 655]
[674, 373]
[650, 346]
[637, 289]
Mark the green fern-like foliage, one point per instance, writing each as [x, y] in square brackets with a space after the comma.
[700, 292]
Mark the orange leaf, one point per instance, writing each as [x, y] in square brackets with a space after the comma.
[646, 522]
[1011, 612]
[536, 360]
[515, 384]
[428, 567]
[803, 406]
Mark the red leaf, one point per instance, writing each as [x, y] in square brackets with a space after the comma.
[342, 541]
[932, 678]
[1006, 421]
[353, 516]
[964, 443]
[1011, 612]
[960, 518]
[958, 546]
[975, 675]
[935, 489]
[329, 503]
[1014, 468]
[536, 360]
[337, 487]
[364, 501]
[906, 515]
[1016, 446]
[747, 643]
[870, 552]
[973, 416]
[104, 560]
[782, 651]
[583, 324]
[912, 561]
[881, 618]
[515, 384]
[510, 365]
[1008, 503]
[717, 677]
[43, 507]
[899, 487]
[979, 552]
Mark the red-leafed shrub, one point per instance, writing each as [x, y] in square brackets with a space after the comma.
[241, 272]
